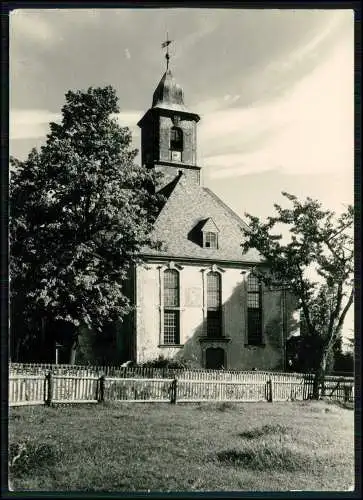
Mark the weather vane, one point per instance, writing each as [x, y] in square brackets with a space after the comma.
[166, 44]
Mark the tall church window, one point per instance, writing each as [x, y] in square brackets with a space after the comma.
[214, 305]
[254, 310]
[176, 139]
[171, 307]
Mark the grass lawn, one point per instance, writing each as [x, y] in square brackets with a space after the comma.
[194, 447]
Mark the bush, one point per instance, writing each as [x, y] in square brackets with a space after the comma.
[162, 362]
[26, 456]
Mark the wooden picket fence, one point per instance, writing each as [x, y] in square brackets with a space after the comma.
[61, 385]
[149, 372]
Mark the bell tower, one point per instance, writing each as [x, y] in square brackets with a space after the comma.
[169, 132]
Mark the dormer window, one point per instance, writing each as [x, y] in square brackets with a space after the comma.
[210, 234]
[205, 234]
[210, 240]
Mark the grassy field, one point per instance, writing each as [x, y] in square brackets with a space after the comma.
[199, 447]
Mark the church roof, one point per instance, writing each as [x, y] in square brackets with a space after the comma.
[187, 209]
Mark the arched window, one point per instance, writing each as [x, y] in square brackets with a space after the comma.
[254, 310]
[176, 139]
[214, 305]
[171, 307]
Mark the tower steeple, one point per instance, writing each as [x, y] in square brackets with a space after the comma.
[169, 94]
[169, 131]
[166, 45]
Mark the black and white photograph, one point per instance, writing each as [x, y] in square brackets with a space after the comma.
[181, 250]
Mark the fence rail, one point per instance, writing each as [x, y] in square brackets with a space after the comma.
[220, 390]
[59, 386]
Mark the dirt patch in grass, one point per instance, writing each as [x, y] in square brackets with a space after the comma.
[265, 457]
[265, 430]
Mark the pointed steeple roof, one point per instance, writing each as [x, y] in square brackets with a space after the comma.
[169, 94]
[168, 91]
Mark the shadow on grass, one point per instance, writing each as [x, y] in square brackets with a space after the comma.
[224, 406]
[266, 457]
[266, 430]
[346, 405]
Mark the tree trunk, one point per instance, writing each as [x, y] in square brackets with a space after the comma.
[320, 373]
[73, 352]
[17, 350]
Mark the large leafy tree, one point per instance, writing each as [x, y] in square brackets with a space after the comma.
[80, 210]
[315, 262]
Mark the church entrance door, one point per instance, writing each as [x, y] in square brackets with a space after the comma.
[215, 358]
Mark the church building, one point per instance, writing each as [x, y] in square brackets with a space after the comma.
[196, 298]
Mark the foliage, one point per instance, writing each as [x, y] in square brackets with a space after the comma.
[81, 211]
[27, 456]
[315, 264]
[162, 362]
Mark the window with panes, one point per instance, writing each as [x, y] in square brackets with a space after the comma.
[210, 240]
[171, 307]
[254, 310]
[214, 305]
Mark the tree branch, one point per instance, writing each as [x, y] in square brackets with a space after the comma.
[303, 302]
[338, 303]
[340, 230]
[345, 310]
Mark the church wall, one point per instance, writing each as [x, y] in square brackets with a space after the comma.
[193, 325]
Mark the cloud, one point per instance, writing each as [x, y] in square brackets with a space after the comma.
[34, 123]
[29, 24]
[309, 49]
[206, 25]
[31, 124]
[127, 54]
[311, 127]
[129, 118]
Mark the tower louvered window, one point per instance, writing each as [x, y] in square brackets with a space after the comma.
[171, 307]
[254, 310]
[176, 139]
[214, 305]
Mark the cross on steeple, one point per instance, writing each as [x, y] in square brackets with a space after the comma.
[166, 45]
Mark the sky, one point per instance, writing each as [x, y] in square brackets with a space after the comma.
[274, 88]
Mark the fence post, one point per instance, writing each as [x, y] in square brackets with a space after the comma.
[347, 393]
[269, 391]
[173, 391]
[101, 394]
[49, 378]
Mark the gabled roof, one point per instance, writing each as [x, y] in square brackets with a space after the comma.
[209, 226]
[187, 208]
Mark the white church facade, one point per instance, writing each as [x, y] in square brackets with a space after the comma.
[196, 298]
